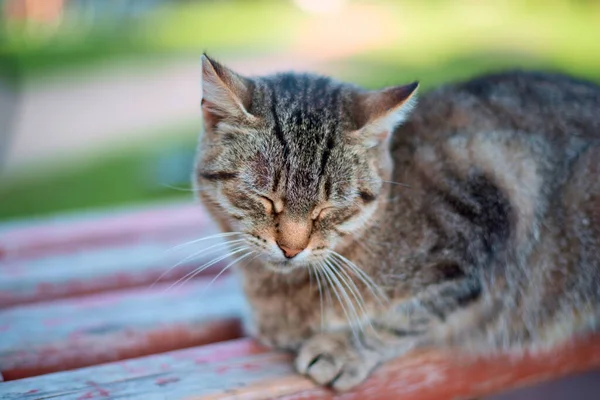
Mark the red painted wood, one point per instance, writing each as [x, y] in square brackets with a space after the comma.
[69, 266]
[242, 370]
[61, 235]
[38, 290]
[121, 327]
[67, 334]
[64, 356]
[434, 375]
[168, 375]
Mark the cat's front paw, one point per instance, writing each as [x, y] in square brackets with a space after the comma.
[335, 359]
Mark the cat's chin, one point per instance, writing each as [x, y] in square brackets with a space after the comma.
[282, 267]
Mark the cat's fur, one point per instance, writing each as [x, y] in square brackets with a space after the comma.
[478, 217]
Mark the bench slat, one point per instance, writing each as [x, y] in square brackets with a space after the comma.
[51, 259]
[72, 333]
[77, 273]
[172, 375]
[242, 370]
[68, 233]
[67, 265]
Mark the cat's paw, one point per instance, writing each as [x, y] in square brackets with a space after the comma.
[334, 359]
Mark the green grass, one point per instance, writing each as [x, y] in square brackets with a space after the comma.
[436, 41]
[136, 175]
[131, 175]
[246, 27]
[433, 42]
[377, 74]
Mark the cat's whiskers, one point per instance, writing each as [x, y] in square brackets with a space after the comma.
[248, 262]
[397, 183]
[215, 262]
[210, 249]
[318, 279]
[365, 321]
[366, 279]
[362, 302]
[336, 287]
[380, 296]
[347, 281]
[181, 189]
[202, 239]
[240, 258]
[206, 265]
[327, 293]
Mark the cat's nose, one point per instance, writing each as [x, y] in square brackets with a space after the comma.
[289, 252]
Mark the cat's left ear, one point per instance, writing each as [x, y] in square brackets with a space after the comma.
[225, 94]
[383, 110]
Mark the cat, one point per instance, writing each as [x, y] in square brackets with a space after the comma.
[367, 223]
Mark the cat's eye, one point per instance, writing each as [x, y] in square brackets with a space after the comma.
[320, 213]
[269, 204]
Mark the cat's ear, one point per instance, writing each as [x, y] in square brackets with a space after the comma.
[381, 111]
[225, 94]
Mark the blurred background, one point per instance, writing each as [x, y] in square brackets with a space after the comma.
[99, 99]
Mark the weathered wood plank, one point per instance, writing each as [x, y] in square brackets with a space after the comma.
[248, 372]
[76, 273]
[68, 257]
[75, 232]
[432, 375]
[170, 375]
[73, 333]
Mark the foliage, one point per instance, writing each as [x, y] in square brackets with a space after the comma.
[432, 41]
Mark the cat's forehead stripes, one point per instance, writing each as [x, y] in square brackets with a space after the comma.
[303, 139]
[305, 113]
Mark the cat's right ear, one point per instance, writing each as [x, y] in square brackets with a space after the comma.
[380, 112]
[225, 94]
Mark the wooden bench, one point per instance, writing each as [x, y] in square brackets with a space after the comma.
[82, 318]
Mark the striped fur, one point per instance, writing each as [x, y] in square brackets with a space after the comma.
[477, 219]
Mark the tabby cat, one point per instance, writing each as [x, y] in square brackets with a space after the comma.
[366, 224]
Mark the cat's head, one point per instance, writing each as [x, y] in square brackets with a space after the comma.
[294, 161]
